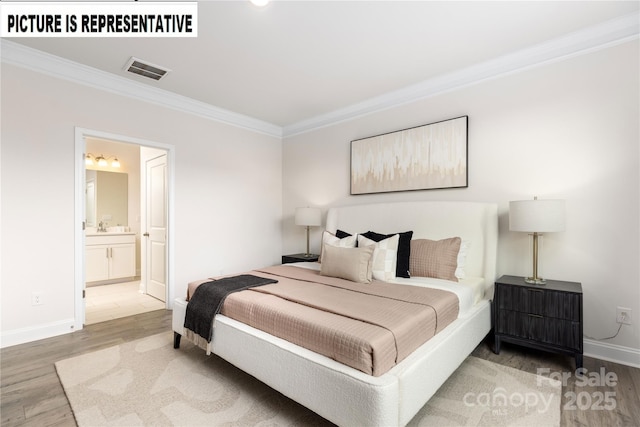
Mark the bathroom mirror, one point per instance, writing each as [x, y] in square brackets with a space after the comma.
[106, 198]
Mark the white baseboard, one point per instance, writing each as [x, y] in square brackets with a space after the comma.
[612, 352]
[34, 333]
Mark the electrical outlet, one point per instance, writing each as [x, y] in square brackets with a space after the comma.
[36, 298]
[623, 315]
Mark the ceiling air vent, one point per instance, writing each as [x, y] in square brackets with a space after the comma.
[146, 69]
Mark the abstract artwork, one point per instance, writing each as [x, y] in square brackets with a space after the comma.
[421, 158]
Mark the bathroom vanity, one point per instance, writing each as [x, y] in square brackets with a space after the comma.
[110, 255]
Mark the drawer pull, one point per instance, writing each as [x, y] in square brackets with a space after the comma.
[535, 315]
[535, 290]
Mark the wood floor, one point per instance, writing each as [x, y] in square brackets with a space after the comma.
[586, 400]
[32, 395]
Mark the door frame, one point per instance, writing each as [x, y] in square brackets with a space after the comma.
[79, 213]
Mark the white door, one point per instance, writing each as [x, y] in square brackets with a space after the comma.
[156, 222]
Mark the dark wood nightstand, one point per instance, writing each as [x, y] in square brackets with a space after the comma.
[546, 317]
[299, 258]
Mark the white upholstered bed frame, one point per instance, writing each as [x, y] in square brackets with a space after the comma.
[344, 395]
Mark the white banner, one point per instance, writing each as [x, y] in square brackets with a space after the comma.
[99, 19]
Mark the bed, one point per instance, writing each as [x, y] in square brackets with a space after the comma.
[347, 396]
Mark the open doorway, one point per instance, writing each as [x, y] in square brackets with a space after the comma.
[113, 236]
[116, 271]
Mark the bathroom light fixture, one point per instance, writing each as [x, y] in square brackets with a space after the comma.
[536, 217]
[259, 3]
[91, 160]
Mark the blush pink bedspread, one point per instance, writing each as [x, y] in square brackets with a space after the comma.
[369, 327]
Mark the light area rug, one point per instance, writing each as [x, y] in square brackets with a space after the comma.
[149, 383]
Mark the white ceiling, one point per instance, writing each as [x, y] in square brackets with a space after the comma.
[297, 60]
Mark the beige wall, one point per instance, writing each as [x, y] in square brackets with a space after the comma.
[228, 184]
[565, 130]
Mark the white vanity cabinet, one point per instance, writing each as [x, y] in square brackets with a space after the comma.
[110, 256]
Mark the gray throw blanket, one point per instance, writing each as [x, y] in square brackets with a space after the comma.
[207, 301]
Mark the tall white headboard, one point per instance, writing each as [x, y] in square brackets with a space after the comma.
[475, 223]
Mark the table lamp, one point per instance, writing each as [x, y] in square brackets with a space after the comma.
[308, 217]
[536, 217]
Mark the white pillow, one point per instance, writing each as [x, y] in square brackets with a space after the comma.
[462, 259]
[331, 240]
[385, 256]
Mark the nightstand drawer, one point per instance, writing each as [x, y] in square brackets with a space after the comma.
[546, 317]
[548, 330]
[542, 302]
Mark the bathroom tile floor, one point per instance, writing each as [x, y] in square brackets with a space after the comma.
[107, 302]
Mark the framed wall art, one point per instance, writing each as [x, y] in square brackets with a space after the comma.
[427, 157]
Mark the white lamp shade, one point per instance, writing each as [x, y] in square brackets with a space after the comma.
[308, 216]
[541, 216]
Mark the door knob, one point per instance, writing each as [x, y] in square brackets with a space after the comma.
[146, 234]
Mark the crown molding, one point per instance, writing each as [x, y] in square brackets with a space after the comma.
[601, 36]
[55, 66]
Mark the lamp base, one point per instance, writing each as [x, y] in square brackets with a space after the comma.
[307, 255]
[535, 280]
